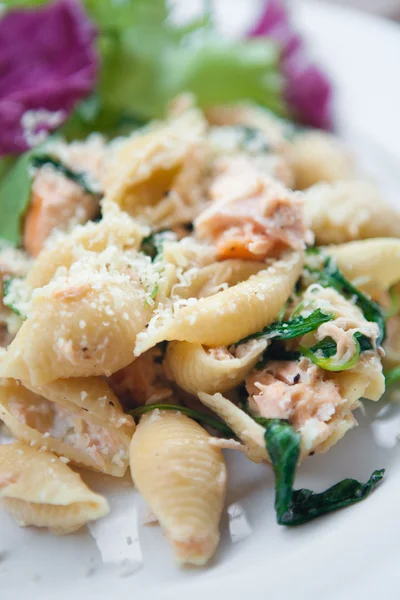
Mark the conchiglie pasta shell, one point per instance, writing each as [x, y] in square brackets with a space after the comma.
[246, 429]
[391, 344]
[318, 156]
[116, 228]
[349, 210]
[364, 380]
[78, 327]
[373, 265]
[98, 440]
[250, 115]
[209, 279]
[39, 489]
[197, 369]
[182, 477]
[338, 431]
[230, 315]
[145, 166]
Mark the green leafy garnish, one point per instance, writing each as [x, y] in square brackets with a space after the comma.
[6, 289]
[78, 177]
[392, 376]
[394, 306]
[294, 507]
[287, 330]
[330, 276]
[152, 295]
[310, 250]
[193, 414]
[147, 60]
[14, 298]
[152, 245]
[15, 193]
[324, 352]
[253, 139]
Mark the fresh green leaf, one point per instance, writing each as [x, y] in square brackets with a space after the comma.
[332, 277]
[78, 177]
[392, 376]
[364, 342]
[307, 505]
[321, 355]
[287, 330]
[152, 295]
[6, 163]
[324, 352]
[394, 306]
[119, 15]
[193, 414]
[147, 64]
[295, 507]
[283, 446]
[310, 250]
[146, 60]
[6, 289]
[152, 245]
[15, 193]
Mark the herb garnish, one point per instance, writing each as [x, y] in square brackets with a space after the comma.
[324, 352]
[330, 276]
[78, 177]
[294, 507]
[392, 376]
[287, 330]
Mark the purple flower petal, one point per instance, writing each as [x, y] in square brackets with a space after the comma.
[308, 91]
[47, 63]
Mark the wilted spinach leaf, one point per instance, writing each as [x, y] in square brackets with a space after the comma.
[294, 507]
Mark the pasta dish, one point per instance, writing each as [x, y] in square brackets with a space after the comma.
[219, 279]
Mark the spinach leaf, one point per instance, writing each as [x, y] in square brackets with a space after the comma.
[152, 295]
[152, 244]
[393, 309]
[15, 193]
[307, 504]
[324, 352]
[392, 376]
[287, 330]
[193, 414]
[327, 347]
[332, 277]
[78, 177]
[364, 341]
[253, 139]
[6, 289]
[295, 507]
[277, 351]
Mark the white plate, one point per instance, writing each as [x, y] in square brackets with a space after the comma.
[349, 554]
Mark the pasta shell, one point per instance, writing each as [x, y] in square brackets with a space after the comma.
[391, 344]
[246, 429]
[147, 164]
[360, 212]
[79, 325]
[182, 477]
[196, 368]
[372, 265]
[318, 156]
[116, 229]
[230, 315]
[74, 419]
[39, 489]
[212, 278]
